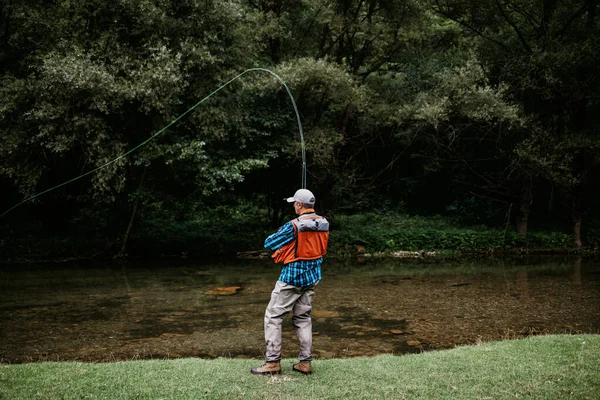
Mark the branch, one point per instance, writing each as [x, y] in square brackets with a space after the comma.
[514, 26]
[489, 198]
[532, 17]
[330, 47]
[395, 158]
[578, 14]
[439, 11]
[380, 63]
[312, 21]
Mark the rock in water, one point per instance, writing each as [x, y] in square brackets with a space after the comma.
[224, 291]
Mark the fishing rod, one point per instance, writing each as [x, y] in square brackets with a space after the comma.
[175, 121]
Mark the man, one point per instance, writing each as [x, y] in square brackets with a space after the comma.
[299, 245]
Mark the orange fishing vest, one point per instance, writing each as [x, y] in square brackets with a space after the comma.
[311, 236]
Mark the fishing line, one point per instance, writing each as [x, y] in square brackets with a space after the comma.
[173, 122]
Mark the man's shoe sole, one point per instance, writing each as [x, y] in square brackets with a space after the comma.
[254, 372]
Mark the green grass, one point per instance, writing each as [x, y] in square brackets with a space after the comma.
[543, 367]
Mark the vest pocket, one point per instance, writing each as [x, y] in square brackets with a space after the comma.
[312, 245]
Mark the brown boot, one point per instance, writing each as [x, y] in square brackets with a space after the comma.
[303, 367]
[268, 368]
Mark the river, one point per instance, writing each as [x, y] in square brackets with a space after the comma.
[107, 311]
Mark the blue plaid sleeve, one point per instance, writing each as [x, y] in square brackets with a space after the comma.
[283, 236]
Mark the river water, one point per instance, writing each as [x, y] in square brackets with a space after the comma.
[95, 311]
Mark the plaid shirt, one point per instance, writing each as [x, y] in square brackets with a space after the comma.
[299, 273]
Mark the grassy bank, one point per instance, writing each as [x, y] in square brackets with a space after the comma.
[545, 367]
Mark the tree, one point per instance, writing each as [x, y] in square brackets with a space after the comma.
[545, 54]
[127, 69]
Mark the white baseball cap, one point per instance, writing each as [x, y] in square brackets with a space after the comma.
[304, 196]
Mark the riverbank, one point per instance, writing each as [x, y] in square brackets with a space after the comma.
[542, 367]
[385, 234]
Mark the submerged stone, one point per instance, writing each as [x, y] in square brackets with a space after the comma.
[324, 354]
[324, 314]
[224, 291]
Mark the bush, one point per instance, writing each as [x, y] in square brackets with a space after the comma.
[398, 232]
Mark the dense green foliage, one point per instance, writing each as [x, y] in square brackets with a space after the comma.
[482, 112]
[388, 233]
[219, 233]
[543, 367]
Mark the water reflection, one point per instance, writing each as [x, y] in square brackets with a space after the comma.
[103, 312]
[523, 285]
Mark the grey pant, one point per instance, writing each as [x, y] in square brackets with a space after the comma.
[286, 298]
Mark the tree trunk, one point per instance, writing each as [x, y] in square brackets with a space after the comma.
[345, 123]
[577, 232]
[522, 221]
[276, 210]
[548, 8]
[592, 4]
[275, 48]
